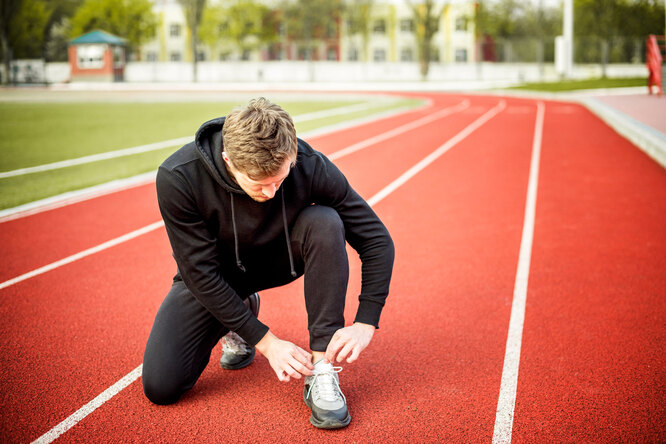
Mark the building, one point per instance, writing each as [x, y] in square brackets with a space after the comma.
[97, 56]
[391, 38]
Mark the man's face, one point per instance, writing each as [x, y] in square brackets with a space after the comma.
[259, 190]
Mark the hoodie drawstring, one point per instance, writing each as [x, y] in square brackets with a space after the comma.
[233, 225]
[239, 264]
[286, 235]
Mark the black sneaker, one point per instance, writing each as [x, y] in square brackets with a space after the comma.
[236, 353]
[323, 396]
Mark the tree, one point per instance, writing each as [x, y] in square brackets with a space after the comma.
[239, 24]
[599, 19]
[426, 17]
[193, 10]
[132, 20]
[58, 25]
[312, 21]
[358, 14]
[8, 11]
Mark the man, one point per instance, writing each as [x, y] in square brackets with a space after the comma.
[247, 206]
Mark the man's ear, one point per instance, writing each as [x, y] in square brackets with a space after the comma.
[226, 158]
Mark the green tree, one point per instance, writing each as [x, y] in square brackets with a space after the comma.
[600, 20]
[242, 25]
[27, 30]
[132, 20]
[56, 30]
[426, 18]
[193, 10]
[309, 22]
[8, 11]
[358, 14]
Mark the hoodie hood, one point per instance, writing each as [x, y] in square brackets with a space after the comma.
[208, 140]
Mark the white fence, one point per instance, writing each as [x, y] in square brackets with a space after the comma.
[328, 72]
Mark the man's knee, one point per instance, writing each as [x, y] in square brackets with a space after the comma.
[159, 389]
[323, 224]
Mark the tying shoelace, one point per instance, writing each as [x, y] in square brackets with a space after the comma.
[327, 384]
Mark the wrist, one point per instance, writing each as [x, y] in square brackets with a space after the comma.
[368, 327]
[265, 343]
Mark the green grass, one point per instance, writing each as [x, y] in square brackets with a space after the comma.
[572, 85]
[39, 133]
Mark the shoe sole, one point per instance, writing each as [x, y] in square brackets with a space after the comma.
[328, 423]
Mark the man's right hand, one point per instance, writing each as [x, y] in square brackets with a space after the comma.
[287, 359]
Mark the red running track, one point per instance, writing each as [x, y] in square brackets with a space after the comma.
[591, 368]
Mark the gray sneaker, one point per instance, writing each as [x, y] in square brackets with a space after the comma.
[236, 353]
[323, 396]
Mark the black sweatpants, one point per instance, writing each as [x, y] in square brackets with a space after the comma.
[185, 332]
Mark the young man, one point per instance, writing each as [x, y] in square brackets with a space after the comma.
[247, 206]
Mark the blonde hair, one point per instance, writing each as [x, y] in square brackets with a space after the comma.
[258, 138]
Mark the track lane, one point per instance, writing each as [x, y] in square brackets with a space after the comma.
[76, 330]
[389, 402]
[593, 367]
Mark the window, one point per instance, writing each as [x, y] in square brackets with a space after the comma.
[461, 24]
[379, 27]
[352, 55]
[90, 56]
[379, 55]
[407, 25]
[225, 56]
[434, 55]
[151, 56]
[174, 57]
[331, 30]
[174, 30]
[201, 56]
[331, 54]
[461, 55]
[406, 55]
[246, 55]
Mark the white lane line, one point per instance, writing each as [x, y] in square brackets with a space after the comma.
[438, 152]
[134, 375]
[82, 254]
[399, 130]
[509, 384]
[172, 142]
[87, 409]
[72, 197]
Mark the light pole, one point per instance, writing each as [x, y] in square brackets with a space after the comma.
[568, 38]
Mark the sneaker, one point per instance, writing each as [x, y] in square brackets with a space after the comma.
[323, 396]
[236, 353]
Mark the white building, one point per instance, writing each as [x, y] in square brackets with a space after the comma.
[392, 37]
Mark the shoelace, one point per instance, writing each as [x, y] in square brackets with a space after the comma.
[327, 384]
[234, 344]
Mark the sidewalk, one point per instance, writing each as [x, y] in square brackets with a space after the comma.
[640, 117]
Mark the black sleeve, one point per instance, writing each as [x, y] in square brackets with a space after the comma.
[195, 252]
[364, 231]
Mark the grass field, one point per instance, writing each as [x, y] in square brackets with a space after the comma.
[41, 133]
[572, 85]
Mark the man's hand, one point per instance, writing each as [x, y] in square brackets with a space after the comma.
[286, 359]
[352, 339]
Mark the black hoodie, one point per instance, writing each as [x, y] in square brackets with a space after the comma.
[216, 230]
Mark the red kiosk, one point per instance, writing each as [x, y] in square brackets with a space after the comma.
[97, 56]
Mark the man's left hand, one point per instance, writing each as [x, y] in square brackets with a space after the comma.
[349, 342]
